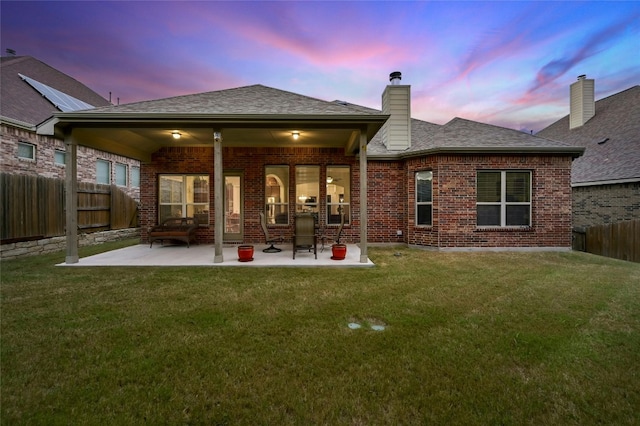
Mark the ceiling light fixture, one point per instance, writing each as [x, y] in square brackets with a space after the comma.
[176, 134]
[295, 135]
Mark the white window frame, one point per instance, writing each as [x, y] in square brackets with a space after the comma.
[108, 164]
[503, 203]
[121, 171]
[424, 203]
[183, 204]
[307, 200]
[344, 203]
[135, 177]
[31, 147]
[274, 204]
[56, 154]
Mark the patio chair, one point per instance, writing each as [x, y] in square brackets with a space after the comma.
[270, 239]
[333, 239]
[305, 237]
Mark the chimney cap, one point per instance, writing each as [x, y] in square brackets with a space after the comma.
[395, 77]
[582, 77]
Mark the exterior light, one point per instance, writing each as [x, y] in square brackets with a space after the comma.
[176, 134]
[329, 179]
[295, 135]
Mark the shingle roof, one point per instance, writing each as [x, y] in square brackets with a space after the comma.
[255, 99]
[616, 120]
[23, 103]
[459, 134]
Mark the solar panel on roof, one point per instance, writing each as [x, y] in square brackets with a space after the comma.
[61, 100]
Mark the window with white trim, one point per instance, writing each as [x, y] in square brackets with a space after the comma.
[424, 198]
[503, 198]
[103, 172]
[135, 177]
[59, 157]
[184, 196]
[26, 151]
[121, 174]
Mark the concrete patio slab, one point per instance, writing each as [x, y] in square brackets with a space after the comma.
[202, 255]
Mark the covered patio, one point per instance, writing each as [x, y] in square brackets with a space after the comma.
[251, 127]
[200, 255]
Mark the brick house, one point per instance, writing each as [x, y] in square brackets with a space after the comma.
[226, 156]
[32, 92]
[605, 181]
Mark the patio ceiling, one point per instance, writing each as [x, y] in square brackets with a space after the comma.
[138, 136]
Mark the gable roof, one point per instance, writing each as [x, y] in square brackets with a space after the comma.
[261, 107]
[23, 103]
[611, 139]
[462, 135]
[248, 100]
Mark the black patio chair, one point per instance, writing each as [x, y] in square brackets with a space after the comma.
[270, 239]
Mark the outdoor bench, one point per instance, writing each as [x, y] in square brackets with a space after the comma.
[174, 228]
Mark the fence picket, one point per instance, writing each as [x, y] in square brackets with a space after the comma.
[33, 207]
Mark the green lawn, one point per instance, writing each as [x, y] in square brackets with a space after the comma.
[469, 338]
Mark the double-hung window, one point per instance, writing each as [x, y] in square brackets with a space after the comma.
[307, 189]
[184, 196]
[424, 198]
[503, 198]
[338, 194]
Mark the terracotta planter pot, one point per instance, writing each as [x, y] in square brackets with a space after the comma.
[339, 251]
[245, 253]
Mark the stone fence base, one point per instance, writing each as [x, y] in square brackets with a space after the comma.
[54, 244]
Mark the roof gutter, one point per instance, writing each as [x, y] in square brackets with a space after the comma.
[605, 182]
[17, 123]
[372, 122]
[575, 152]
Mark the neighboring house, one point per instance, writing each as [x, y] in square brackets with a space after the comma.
[226, 156]
[606, 179]
[31, 92]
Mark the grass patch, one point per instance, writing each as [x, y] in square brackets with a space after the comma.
[469, 338]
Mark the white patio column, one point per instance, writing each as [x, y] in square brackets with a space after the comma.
[71, 197]
[363, 197]
[218, 201]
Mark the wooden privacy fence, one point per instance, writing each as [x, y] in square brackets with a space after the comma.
[33, 208]
[618, 240]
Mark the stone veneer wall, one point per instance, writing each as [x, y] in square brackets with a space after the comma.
[44, 164]
[55, 244]
[605, 204]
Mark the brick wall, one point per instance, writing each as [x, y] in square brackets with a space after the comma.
[391, 197]
[251, 162]
[44, 164]
[605, 204]
[454, 202]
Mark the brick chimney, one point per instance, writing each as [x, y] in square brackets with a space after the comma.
[396, 101]
[582, 103]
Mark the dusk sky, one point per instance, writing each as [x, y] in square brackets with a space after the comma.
[504, 63]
